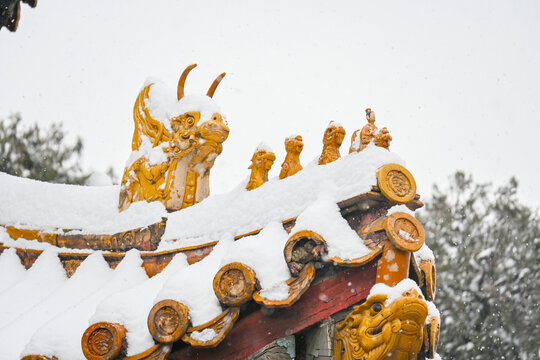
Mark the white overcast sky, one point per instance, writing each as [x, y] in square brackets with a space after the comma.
[457, 83]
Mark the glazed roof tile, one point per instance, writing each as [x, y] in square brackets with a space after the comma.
[64, 308]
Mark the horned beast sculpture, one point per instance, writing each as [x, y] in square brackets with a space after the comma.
[174, 148]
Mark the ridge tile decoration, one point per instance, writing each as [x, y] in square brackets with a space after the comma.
[261, 163]
[171, 162]
[291, 165]
[369, 301]
[332, 140]
[362, 138]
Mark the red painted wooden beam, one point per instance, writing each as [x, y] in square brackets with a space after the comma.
[266, 325]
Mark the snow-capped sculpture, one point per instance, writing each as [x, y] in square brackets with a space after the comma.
[175, 143]
[335, 249]
[382, 328]
[332, 140]
[261, 162]
[362, 138]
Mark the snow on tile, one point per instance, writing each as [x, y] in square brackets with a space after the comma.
[241, 211]
[263, 253]
[400, 208]
[32, 204]
[424, 253]
[323, 217]
[88, 278]
[40, 281]
[131, 307]
[433, 312]
[393, 292]
[61, 336]
[11, 269]
[192, 286]
[204, 335]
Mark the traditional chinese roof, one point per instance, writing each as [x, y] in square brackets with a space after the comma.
[90, 277]
[130, 293]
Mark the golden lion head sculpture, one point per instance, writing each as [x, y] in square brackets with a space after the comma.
[378, 329]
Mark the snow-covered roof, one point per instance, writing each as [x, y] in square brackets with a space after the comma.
[36, 205]
[125, 295]
[53, 319]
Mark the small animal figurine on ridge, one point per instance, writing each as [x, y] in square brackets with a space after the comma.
[332, 140]
[383, 138]
[261, 163]
[291, 165]
[361, 138]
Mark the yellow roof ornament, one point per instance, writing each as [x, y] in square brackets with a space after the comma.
[172, 157]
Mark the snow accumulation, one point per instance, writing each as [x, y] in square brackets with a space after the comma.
[11, 269]
[241, 211]
[131, 307]
[263, 146]
[40, 281]
[87, 279]
[292, 136]
[263, 253]
[52, 312]
[31, 204]
[356, 143]
[400, 208]
[163, 104]
[154, 155]
[395, 292]
[334, 123]
[58, 333]
[192, 286]
[324, 218]
[96, 293]
[204, 335]
[424, 253]
[432, 311]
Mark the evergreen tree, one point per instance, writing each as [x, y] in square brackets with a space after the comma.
[487, 252]
[38, 153]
